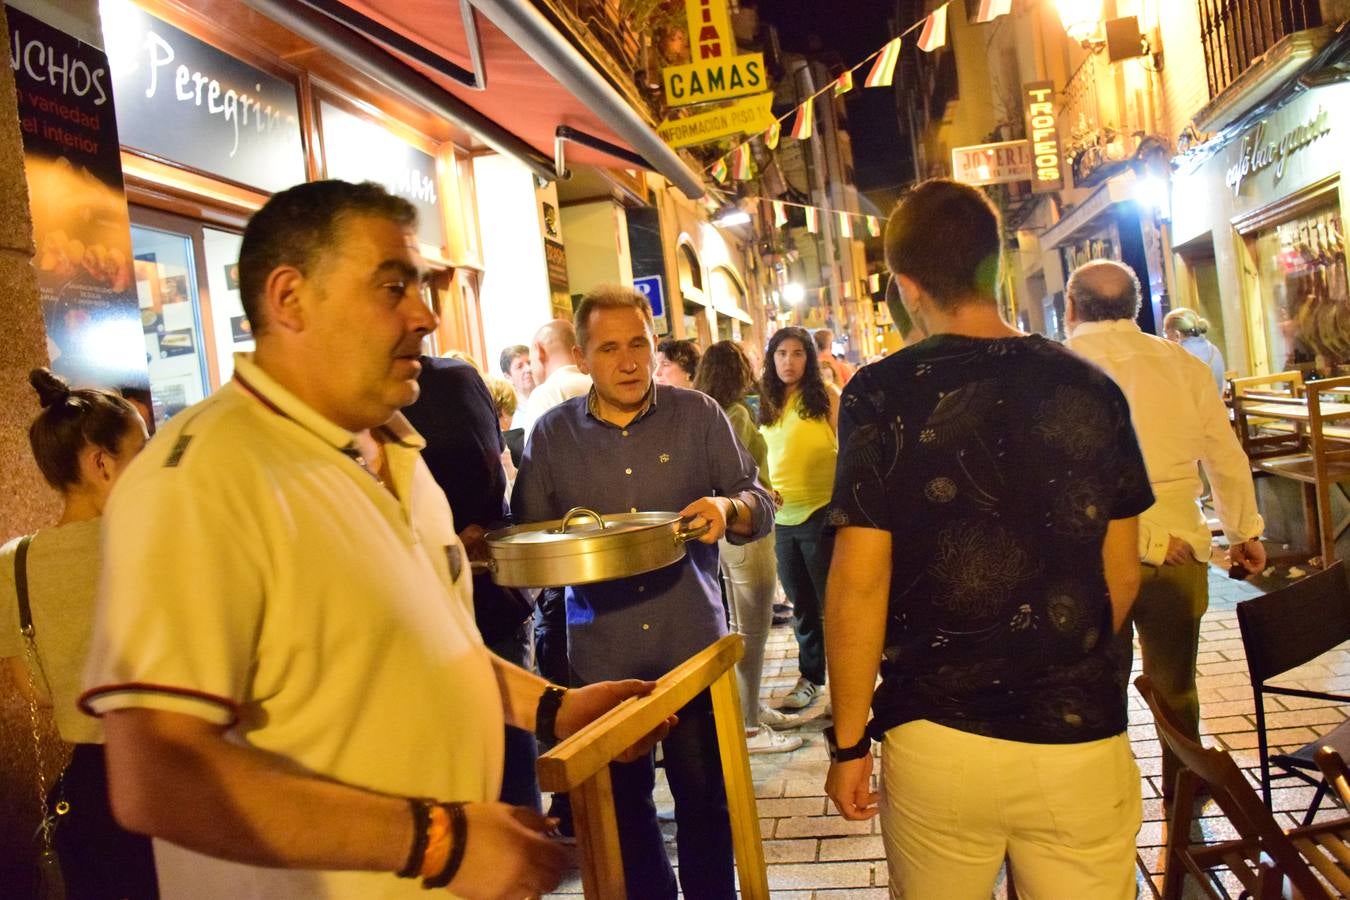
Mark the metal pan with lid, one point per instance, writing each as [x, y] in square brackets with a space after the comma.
[583, 548]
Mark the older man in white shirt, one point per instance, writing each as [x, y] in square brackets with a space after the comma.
[1180, 420]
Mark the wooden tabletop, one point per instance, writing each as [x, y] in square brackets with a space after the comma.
[1295, 412]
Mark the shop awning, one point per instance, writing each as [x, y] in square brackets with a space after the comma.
[535, 80]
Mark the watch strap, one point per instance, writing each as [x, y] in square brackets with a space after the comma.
[844, 754]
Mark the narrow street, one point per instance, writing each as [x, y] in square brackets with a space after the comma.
[813, 854]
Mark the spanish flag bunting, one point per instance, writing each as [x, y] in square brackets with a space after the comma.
[719, 170]
[801, 129]
[992, 9]
[934, 34]
[845, 225]
[740, 162]
[771, 136]
[779, 214]
[873, 226]
[812, 219]
[883, 70]
[844, 83]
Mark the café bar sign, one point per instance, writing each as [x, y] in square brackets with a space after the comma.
[999, 163]
[183, 100]
[1260, 150]
[1043, 134]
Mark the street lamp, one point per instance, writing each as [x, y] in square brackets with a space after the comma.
[794, 293]
[1080, 18]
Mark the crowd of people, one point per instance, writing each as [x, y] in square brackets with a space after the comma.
[276, 658]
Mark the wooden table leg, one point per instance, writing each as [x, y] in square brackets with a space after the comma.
[745, 835]
[598, 838]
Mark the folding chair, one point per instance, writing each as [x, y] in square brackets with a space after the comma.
[1310, 860]
[1281, 631]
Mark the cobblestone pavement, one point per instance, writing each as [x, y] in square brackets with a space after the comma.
[812, 853]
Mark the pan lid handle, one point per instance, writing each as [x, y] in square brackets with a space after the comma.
[578, 512]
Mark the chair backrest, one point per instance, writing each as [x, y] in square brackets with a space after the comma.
[1232, 792]
[1296, 624]
[1288, 383]
[1333, 767]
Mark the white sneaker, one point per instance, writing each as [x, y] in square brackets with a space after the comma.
[802, 695]
[779, 720]
[766, 740]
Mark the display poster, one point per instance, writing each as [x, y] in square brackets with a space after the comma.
[81, 229]
[355, 149]
[183, 100]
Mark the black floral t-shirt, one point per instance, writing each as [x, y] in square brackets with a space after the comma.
[996, 465]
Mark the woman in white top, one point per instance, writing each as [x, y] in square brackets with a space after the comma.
[82, 441]
[1187, 328]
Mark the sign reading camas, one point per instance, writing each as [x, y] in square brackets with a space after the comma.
[716, 73]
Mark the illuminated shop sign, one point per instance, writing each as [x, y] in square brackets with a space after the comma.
[1043, 134]
[993, 163]
[1260, 151]
[182, 100]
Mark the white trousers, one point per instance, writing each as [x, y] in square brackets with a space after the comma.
[954, 804]
[751, 574]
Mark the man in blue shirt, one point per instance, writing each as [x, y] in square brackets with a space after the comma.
[627, 446]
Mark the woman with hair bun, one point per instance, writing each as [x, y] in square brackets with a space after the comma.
[82, 441]
[1187, 328]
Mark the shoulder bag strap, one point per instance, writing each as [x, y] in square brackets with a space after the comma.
[21, 585]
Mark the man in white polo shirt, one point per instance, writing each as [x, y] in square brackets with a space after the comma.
[285, 649]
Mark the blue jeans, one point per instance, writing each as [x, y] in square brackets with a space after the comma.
[520, 782]
[702, 827]
[804, 553]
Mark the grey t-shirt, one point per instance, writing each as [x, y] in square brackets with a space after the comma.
[63, 564]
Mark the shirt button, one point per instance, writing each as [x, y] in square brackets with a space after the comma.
[632, 509]
[628, 471]
[624, 432]
[646, 627]
[641, 588]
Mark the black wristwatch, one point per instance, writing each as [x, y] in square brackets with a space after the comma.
[546, 714]
[844, 754]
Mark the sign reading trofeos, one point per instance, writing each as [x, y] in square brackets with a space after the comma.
[183, 100]
[1043, 134]
[716, 73]
[1259, 152]
[993, 163]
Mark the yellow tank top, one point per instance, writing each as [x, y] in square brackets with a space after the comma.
[802, 455]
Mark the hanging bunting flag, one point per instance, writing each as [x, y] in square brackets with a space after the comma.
[771, 136]
[779, 214]
[740, 162]
[873, 226]
[844, 83]
[883, 70]
[845, 225]
[719, 170]
[992, 9]
[812, 219]
[934, 34]
[802, 128]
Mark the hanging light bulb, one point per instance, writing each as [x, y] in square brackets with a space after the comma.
[1080, 18]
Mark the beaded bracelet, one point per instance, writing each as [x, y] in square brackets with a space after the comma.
[421, 808]
[459, 837]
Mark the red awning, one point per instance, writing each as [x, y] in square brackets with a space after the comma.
[521, 96]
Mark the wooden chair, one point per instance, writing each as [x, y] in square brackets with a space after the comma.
[1264, 437]
[1298, 438]
[579, 765]
[1333, 769]
[1300, 858]
[1281, 631]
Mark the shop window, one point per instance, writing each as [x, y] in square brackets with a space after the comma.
[187, 282]
[1302, 271]
[691, 272]
[727, 293]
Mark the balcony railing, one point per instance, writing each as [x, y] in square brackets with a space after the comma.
[1236, 32]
